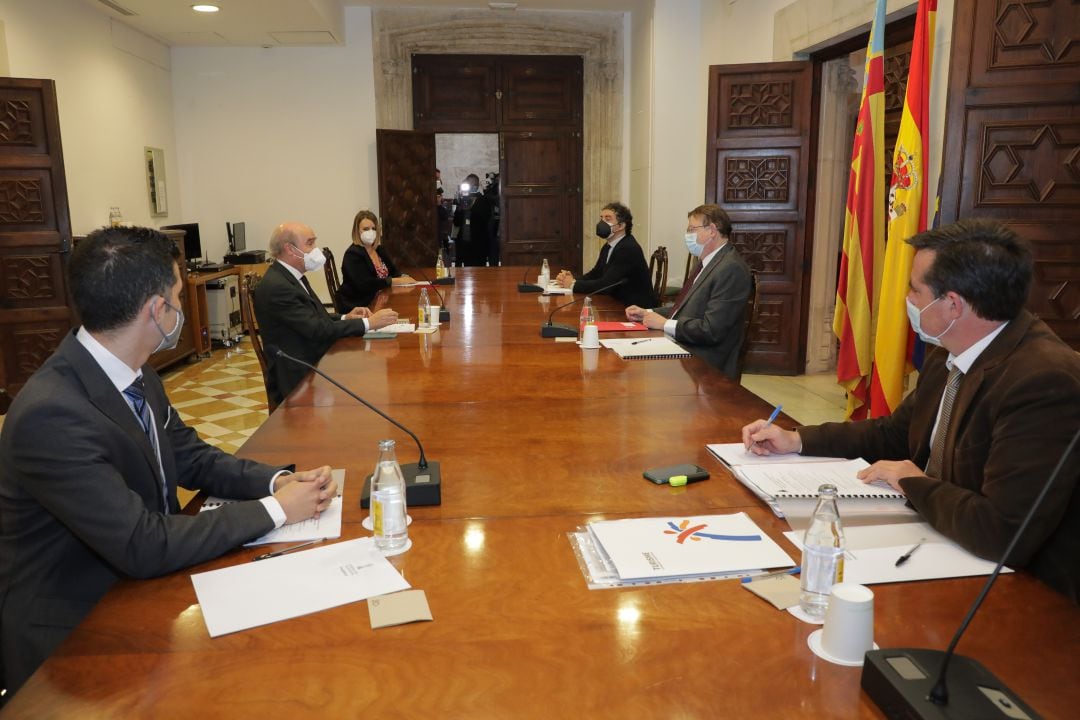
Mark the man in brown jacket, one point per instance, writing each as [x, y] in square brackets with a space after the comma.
[972, 459]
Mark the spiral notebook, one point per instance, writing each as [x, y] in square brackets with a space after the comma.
[652, 348]
[802, 480]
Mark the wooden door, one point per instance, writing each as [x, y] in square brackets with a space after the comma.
[1012, 145]
[406, 167]
[35, 232]
[535, 103]
[760, 141]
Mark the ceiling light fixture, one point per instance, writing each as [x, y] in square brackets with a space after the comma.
[503, 5]
[205, 8]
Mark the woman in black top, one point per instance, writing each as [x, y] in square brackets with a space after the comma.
[366, 268]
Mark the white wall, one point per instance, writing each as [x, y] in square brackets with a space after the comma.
[678, 126]
[271, 135]
[114, 97]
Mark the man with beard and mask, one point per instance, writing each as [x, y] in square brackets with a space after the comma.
[292, 317]
[707, 316]
[91, 454]
[621, 258]
[993, 412]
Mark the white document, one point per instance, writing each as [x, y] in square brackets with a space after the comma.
[735, 455]
[324, 527]
[801, 480]
[556, 289]
[686, 546]
[258, 593]
[936, 558]
[399, 328]
[645, 348]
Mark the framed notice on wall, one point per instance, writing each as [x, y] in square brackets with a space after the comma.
[155, 181]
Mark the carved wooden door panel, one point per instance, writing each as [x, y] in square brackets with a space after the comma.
[406, 167]
[1012, 145]
[760, 142]
[35, 232]
[536, 105]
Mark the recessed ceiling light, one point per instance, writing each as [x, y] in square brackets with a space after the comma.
[205, 8]
[503, 5]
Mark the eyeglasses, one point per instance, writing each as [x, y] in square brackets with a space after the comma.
[692, 228]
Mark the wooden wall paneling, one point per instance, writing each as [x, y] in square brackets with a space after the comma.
[406, 168]
[454, 93]
[1012, 146]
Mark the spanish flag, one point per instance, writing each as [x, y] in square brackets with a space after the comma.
[864, 232]
[908, 210]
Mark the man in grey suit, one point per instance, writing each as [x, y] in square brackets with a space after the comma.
[707, 316]
[91, 454]
[292, 318]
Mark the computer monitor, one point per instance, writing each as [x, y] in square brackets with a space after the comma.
[192, 242]
[237, 236]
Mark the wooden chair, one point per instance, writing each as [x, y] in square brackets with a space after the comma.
[333, 280]
[749, 313]
[251, 327]
[658, 265]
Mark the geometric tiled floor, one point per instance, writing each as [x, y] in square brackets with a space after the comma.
[222, 397]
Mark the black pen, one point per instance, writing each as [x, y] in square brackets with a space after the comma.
[904, 558]
[640, 341]
[277, 553]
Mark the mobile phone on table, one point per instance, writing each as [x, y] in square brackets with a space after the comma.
[693, 473]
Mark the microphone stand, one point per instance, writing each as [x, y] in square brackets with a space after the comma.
[444, 312]
[423, 479]
[554, 330]
[526, 287]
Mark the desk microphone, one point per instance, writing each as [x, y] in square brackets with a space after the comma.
[423, 480]
[911, 683]
[444, 312]
[552, 330]
[527, 287]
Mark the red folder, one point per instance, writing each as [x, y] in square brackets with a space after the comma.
[624, 326]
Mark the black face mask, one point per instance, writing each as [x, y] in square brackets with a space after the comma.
[603, 230]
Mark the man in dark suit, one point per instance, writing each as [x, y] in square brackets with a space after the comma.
[91, 454]
[994, 409]
[707, 316]
[290, 314]
[621, 258]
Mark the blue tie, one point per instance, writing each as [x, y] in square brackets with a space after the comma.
[136, 395]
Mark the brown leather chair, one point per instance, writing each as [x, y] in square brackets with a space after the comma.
[749, 313]
[333, 280]
[251, 327]
[658, 264]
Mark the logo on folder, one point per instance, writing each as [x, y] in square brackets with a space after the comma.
[685, 530]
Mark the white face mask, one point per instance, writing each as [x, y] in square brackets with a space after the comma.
[915, 318]
[169, 339]
[313, 260]
[367, 237]
[693, 245]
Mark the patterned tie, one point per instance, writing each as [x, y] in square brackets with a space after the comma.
[937, 448]
[136, 396]
[681, 297]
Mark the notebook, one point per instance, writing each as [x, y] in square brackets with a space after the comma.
[652, 348]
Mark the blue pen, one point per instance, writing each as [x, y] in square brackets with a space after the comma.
[778, 573]
[775, 414]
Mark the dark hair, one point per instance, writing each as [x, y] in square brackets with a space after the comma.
[360, 217]
[983, 261]
[714, 215]
[622, 214]
[115, 270]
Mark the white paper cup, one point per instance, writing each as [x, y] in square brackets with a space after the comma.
[591, 337]
[434, 319]
[589, 360]
[849, 625]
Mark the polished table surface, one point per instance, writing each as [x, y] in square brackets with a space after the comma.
[535, 439]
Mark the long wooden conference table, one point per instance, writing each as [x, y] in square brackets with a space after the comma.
[535, 439]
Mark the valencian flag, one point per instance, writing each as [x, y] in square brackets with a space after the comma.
[908, 210]
[864, 232]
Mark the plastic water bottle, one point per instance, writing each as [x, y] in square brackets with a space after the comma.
[823, 554]
[440, 268]
[423, 309]
[588, 316]
[388, 511]
[545, 274]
